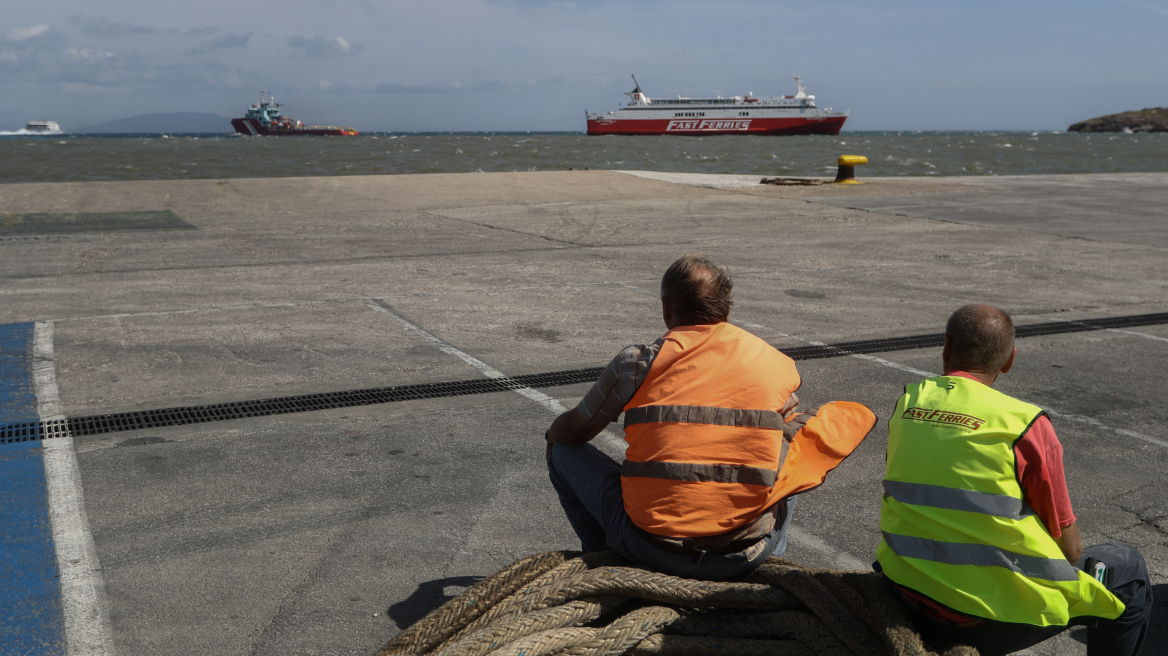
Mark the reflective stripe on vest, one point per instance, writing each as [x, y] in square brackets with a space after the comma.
[953, 520]
[699, 473]
[937, 496]
[702, 414]
[981, 555]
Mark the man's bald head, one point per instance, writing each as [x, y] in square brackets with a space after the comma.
[980, 338]
[698, 291]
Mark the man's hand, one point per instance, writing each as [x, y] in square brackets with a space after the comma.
[794, 424]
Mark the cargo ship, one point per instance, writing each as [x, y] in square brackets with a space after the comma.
[783, 115]
[265, 119]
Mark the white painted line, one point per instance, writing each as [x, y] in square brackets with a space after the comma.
[1091, 421]
[637, 289]
[928, 374]
[83, 601]
[894, 365]
[612, 444]
[858, 356]
[1113, 330]
[1132, 332]
[838, 557]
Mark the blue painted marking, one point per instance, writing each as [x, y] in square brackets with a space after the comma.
[30, 592]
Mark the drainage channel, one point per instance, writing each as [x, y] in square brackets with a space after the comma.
[126, 421]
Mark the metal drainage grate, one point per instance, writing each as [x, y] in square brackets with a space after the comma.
[97, 424]
[125, 421]
[933, 340]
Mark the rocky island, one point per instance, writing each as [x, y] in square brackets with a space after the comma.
[1144, 120]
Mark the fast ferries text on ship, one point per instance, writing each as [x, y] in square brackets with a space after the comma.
[747, 114]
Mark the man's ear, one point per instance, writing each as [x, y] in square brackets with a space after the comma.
[1010, 362]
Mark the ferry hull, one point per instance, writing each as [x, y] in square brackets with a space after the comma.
[252, 127]
[830, 125]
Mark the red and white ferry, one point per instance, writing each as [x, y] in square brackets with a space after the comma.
[747, 114]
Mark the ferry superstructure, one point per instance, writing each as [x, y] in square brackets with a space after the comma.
[264, 119]
[783, 115]
[42, 126]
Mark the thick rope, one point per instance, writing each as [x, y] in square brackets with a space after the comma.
[562, 603]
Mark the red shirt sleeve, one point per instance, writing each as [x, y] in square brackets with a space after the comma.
[1044, 483]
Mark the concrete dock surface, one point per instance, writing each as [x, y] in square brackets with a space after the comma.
[328, 532]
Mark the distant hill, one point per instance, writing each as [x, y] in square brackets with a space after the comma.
[1144, 120]
[164, 123]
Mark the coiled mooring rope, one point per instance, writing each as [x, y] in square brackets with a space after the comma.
[598, 605]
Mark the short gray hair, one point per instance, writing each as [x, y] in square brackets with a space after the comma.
[981, 337]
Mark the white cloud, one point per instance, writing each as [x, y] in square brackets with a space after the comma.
[19, 34]
[102, 26]
[320, 47]
[224, 42]
[83, 89]
[491, 86]
[87, 55]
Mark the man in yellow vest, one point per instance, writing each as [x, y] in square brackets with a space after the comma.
[707, 408]
[979, 542]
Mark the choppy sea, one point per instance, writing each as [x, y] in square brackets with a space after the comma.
[73, 157]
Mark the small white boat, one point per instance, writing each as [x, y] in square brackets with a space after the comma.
[42, 126]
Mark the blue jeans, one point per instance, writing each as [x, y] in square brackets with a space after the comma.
[589, 486]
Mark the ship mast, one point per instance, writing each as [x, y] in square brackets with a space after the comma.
[638, 96]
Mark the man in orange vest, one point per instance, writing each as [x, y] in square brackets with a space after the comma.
[707, 408]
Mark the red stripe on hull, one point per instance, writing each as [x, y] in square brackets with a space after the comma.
[700, 127]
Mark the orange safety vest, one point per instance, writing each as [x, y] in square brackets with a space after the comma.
[705, 434]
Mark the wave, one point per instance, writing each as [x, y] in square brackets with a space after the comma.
[29, 133]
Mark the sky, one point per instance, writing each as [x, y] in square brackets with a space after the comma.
[437, 65]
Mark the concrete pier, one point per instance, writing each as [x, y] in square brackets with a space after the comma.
[327, 532]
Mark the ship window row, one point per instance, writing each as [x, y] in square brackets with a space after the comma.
[689, 113]
[744, 113]
[693, 101]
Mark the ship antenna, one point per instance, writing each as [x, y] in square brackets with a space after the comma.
[637, 85]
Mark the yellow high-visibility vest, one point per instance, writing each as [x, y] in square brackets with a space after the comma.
[954, 523]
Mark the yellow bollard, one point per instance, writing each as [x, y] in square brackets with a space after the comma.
[847, 168]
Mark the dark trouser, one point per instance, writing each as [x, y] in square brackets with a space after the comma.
[589, 486]
[1127, 579]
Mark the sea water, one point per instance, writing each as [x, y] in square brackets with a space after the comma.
[72, 157]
